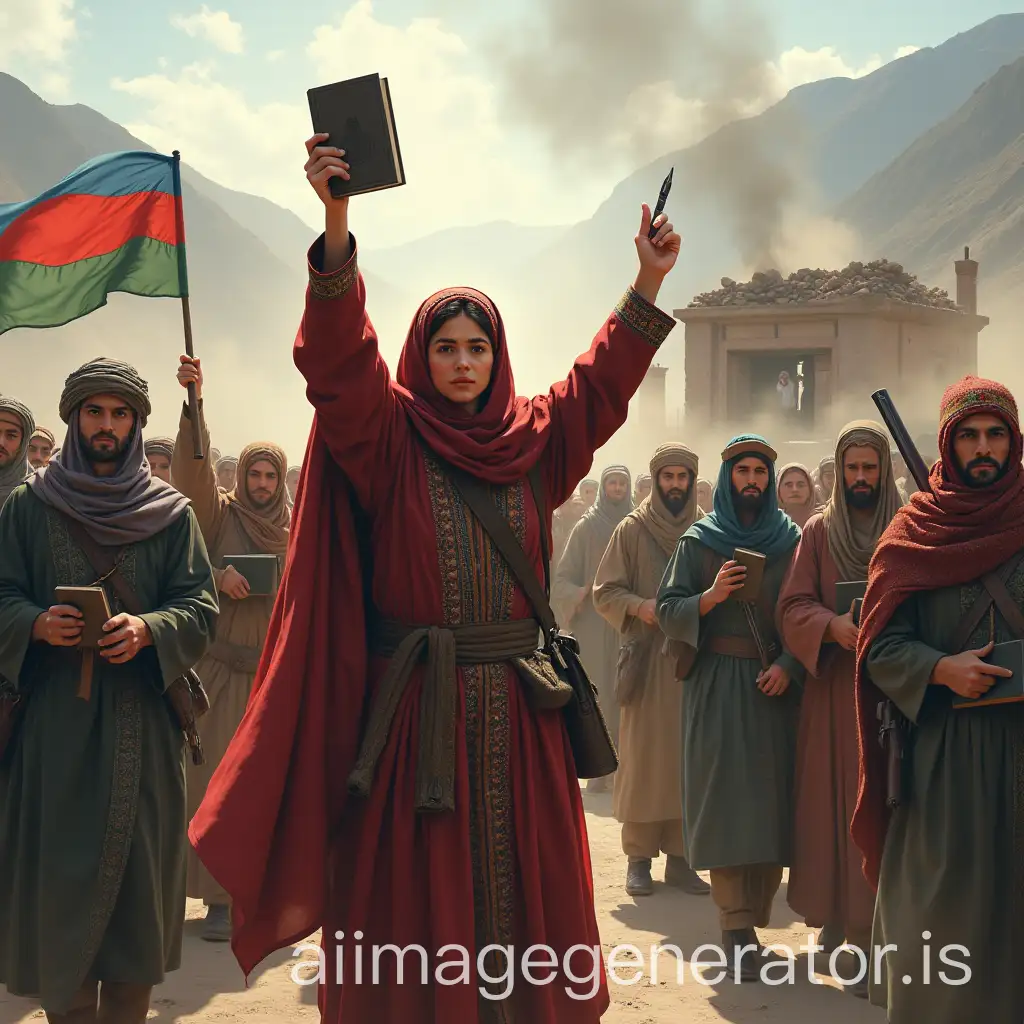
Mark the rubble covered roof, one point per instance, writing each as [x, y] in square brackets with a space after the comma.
[881, 278]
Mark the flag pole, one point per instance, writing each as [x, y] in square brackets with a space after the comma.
[186, 313]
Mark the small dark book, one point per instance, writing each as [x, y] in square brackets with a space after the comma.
[358, 117]
[95, 608]
[753, 562]
[847, 593]
[261, 572]
[1004, 690]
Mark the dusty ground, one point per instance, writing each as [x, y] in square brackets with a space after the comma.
[209, 988]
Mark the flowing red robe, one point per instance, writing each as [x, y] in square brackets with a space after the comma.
[826, 883]
[511, 864]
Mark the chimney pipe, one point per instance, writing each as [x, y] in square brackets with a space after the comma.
[967, 282]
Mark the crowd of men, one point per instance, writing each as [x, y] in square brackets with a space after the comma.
[745, 725]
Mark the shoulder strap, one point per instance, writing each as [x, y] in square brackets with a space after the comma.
[993, 583]
[105, 563]
[476, 496]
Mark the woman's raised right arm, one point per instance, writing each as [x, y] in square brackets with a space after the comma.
[336, 351]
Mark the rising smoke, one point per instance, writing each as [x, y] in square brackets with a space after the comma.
[608, 83]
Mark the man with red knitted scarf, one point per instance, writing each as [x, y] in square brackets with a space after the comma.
[948, 863]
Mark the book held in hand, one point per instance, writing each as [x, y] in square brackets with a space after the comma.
[1004, 690]
[260, 571]
[358, 117]
[847, 593]
[95, 608]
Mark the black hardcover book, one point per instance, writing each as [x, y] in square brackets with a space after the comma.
[847, 593]
[1004, 690]
[261, 571]
[358, 117]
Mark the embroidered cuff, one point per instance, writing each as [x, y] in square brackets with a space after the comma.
[643, 317]
[337, 283]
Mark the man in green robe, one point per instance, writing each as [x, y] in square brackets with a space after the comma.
[946, 580]
[92, 785]
[741, 698]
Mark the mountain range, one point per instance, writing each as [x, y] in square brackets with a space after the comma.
[911, 162]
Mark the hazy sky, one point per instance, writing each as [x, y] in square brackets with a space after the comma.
[225, 83]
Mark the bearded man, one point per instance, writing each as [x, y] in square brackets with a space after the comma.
[40, 446]
[159, 452]
[16, 427]
[252, 518]
[948, 862]
[572, 589]
[742, 697]
[92, 790]
[826, 885]
[647, 799]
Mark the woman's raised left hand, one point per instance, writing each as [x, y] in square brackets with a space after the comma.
[658, 254]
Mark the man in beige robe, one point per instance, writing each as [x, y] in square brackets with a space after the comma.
[252, 518]
[648, 791]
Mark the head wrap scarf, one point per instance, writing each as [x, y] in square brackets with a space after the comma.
[129, 506]
[798, 513]
[606, 511]
[821, 490]
[773, 533]
[159, 446]
[850, 547]
[947, 537]
[653, 514]
[267, 528]
[292, 698]
[641, 479]
[14, 474]
[710, 486]
[45, 433]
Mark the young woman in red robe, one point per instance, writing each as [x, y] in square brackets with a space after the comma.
[328, 812]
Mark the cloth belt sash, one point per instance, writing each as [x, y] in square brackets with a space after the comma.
[237, 657]
[740, 647]
[442, 648]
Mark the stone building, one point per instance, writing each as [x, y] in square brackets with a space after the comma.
[838, 335]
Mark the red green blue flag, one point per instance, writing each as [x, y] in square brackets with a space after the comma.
[113, 225]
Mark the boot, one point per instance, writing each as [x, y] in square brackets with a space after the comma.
[680, 875]
[217, 927]
[764, 956]
[638, 878]
[744, 965]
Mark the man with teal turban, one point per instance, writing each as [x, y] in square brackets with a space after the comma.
[741, 698]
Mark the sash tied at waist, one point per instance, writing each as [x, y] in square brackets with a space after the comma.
[237, 657]
[740, 647]
[441, 648]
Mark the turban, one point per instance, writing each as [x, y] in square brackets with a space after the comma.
[266, 527]
[664, 527]
[160, 446]
[46, 434]
[106, 377]
[19, 468]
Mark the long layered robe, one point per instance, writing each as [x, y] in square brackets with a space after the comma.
[229, 668]
[511, 864]
[826, 883]
[953, 862]
[649, 780]
[598, 638]
[739, 745]
[92, 796]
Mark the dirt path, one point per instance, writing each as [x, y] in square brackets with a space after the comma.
[209, 988]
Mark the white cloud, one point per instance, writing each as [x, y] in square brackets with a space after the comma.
[36, 30]
[216, 27]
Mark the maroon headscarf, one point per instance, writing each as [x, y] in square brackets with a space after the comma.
[502, 441]
[946, 538]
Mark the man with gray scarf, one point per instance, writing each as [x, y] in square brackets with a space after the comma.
[16, 427]
[92, 786]
[573, 586]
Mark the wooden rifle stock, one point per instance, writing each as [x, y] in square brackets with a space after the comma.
[893, 726]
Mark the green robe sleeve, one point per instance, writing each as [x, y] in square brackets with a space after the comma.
[17, 612]
[182, 626]
[900, 664]
[678, 603]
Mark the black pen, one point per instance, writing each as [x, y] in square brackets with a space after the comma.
[666, 187]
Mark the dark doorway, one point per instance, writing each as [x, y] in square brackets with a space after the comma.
[779, 384]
